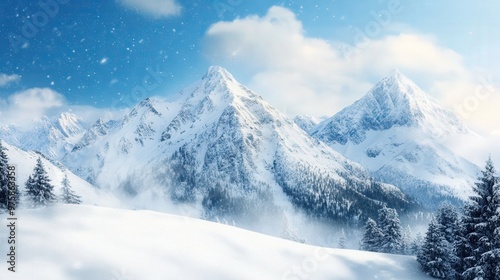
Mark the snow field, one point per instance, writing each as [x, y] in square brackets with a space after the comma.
[89, 242]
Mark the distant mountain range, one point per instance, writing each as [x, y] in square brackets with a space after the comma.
[54, 136]
[221, 148]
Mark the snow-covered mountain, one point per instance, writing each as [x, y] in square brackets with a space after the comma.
[54, 136]
[222, 147]
[83, 242]
[97, 130]
[399, 133]
[25, 162]
[307, 122]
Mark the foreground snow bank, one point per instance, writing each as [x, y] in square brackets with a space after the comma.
[89, 242]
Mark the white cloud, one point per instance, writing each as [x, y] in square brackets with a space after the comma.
[23, 107]
[154, 8]
[294, 72]
[305, 75]
[7, 79]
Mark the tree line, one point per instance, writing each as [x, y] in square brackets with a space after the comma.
[456, 246]
[387, 235]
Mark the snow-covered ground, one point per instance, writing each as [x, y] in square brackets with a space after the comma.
[90, 242]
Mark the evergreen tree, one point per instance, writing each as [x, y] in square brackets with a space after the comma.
[435, 255]
[38, 187]
[4, 177]
[392, 241]
[466, 240]
[447, 217]
[342, 240]
[68, 196]
[372, 238]
[496, 243]
[477, 246]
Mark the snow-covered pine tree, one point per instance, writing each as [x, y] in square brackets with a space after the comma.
[447, 217]
[477, 254]
[4, 177]
[68, 196]
[490, 259]
[4, 183]
[496, 221]
[38, 188]
[372, 237]
[392, 240]
[342, 240]
[435, 254]
[466, 241]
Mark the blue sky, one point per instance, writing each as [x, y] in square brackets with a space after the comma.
[312, 57]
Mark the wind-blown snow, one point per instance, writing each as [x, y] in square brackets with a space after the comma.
[65, 242]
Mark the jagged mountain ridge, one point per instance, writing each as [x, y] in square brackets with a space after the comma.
[398, 132]
[223, 142]
[54, 136]
[98, 129]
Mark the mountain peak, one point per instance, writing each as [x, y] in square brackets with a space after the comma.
[217, 81]
[395, 85]
[148, 102]
[146, 106]
[395, 101]
[395, 73]
[68, 116]
[396, 77]
[399, 100]
[216, 69]
[70, 124]
[218, 73]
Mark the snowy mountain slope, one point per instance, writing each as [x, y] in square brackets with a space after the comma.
[221, 145]
[176, 248]
[307, 122]
[115, 149]
[97, 130]
[26, 161]
[53, 137]
[399, 133]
